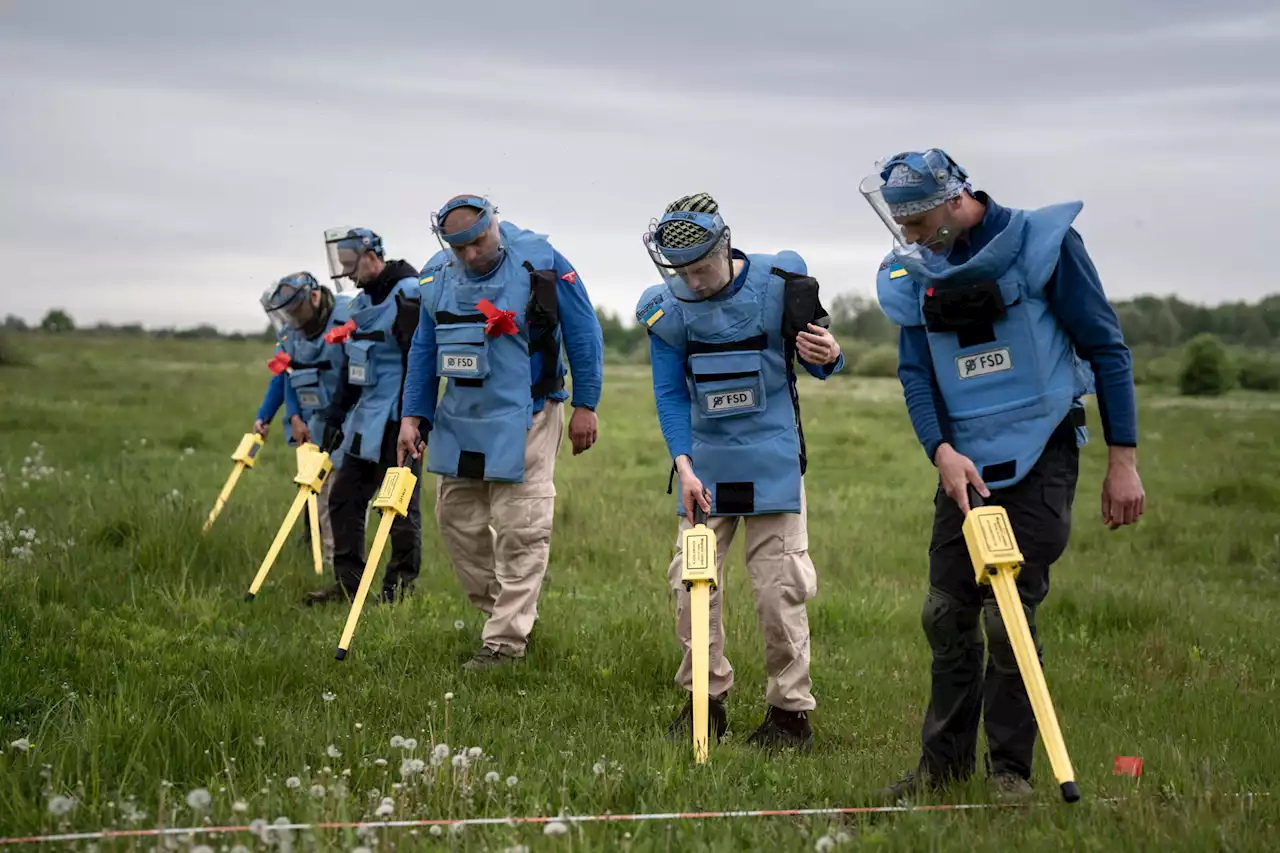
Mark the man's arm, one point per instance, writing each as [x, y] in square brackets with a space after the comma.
[271, 400]
[345, 395]
[583, 339]
[1077, 299]
[822, 371]
[671, 396]
[920, 388]
[421, 383]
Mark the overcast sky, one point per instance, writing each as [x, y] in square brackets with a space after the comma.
[163, 162]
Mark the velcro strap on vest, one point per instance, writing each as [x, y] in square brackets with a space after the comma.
[445, 318]
[758, 342]
[312, 365]
[736, 498]
[369, 336]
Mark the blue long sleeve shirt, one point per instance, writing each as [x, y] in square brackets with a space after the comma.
[274, 396]
[1076, 298]
[579, 333]
[671, 392]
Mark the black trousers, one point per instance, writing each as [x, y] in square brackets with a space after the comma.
[354, 486]
[1039, 509]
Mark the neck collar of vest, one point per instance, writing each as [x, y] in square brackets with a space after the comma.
[991, 261]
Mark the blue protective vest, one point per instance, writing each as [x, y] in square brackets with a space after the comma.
[314, 371]
[375, 363]
[744, 417]
[1005, 367]
[482, 421]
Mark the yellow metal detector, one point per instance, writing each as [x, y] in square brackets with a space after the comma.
[393, 500]
[313, 510]
[698, 547]
[313, 468]
[997, 562]
[246, 454]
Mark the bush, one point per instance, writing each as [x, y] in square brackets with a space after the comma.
[877, 361]
[1205, 371]
[10, 356]
[1259, 373]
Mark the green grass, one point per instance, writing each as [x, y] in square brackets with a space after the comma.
[130, 661]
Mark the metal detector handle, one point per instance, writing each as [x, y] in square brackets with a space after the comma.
[699, 514]
[975, 499]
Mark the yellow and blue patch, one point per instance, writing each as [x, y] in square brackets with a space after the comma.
[427, 279]
[654, 315]
[896, 271]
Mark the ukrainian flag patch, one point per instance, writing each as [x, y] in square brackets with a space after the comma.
[654, 316]
[896, 271]
[427, 280]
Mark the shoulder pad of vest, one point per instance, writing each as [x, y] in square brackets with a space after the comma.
[407, 286]
[789, 261]
[341, 309]
[658, 313]
[898, 294]
[1046, 227]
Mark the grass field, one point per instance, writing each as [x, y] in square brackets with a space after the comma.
[136, 672]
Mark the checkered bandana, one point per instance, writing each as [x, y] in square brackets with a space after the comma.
[679, 234]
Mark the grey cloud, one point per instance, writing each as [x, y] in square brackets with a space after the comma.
[163, 161]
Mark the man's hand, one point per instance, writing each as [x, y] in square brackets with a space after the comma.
[1123, 499]
[332, 437]
[957, 473]
[817, 346]
[301, 434]
[691, 488]
[583, 429]
[409, 443]
[261, 427]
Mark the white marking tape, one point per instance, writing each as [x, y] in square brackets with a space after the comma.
[515, 821]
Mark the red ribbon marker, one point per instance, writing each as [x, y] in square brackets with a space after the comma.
[497, 322]
[339, 334]
[279, 363]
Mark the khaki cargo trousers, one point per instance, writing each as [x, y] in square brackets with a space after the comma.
[783, 579]
[498, 535]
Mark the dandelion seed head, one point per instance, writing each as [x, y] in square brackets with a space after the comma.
[333, 751]
[492, 777]
[20, 745]
[823, 844]
[512, 781]
[459, 625]
[317, 791]
[60, 805]
[240, 807]
[436, 830]
[410, 743]
[555, 827]
[475, 752]
[293, 782]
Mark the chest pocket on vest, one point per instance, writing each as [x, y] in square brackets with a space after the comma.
[728, 383]
[969, 311]
[307, 386]
[462, 351]
[360, 367]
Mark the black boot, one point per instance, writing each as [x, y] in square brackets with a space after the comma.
[681, 729]
[783, 729]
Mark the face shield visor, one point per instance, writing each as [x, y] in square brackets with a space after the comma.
[343, 249]
[288, 303]
[692, 253]
[910, 193]
[467, 229]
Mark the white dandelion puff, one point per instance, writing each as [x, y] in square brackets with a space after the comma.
[555, 827]
[492, 777]
[597, 769]
[475, 752]
[512, 781]
[386, 809]
[199, 799]
[459, 625]
[239, 807]
[380, 762]
[317, 791]
[410, 743]
[436, 830]
[396, 741]
[823, 844]
[293, 782]
[20, 745]
[441, 751]
[327, 696]
[60, 805]
[333, 752]
[448, 697]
